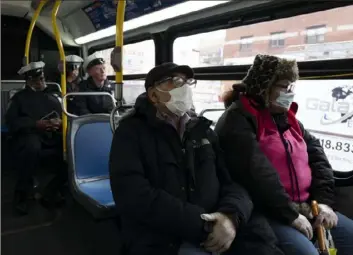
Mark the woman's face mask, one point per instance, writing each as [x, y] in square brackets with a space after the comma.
[180, 100]
[283, 95]
[285, 99]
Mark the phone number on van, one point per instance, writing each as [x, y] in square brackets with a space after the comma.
[336, 145]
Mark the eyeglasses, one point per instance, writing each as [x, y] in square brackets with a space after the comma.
[288, 88]
[178, 81]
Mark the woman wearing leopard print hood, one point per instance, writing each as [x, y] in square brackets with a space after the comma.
[281, 164]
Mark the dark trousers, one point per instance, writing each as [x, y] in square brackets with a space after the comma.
[30, 152]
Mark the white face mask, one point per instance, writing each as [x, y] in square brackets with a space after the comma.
[285, 99]
[180, 100]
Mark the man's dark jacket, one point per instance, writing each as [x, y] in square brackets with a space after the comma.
[28, 106]
[93, 104]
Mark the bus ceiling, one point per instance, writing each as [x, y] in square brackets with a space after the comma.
[93, 22]
[26, 9]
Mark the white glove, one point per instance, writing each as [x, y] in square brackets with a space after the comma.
[303, 225]
[222, 235]
[327, 217]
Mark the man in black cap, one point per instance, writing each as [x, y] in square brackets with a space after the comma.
[97, 81]
[33, 118]
[168, 178]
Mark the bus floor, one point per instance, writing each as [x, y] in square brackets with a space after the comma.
[69, 230]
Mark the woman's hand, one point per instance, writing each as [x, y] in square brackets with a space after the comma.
[327, 217]
[303, 225]
[222, 235]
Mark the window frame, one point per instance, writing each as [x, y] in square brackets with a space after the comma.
[308, 68]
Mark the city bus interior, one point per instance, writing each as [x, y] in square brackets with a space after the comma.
[219, 39]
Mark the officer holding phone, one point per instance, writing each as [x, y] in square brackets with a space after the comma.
[33, 118]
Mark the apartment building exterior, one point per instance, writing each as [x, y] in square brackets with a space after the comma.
[315, 36]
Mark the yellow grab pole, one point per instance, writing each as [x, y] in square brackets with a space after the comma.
[63, 71]
[30, 30]
[119, 37]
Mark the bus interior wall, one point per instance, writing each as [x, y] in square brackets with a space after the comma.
[43, 48]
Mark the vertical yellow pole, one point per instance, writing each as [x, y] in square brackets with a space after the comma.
[119, 36]
[30, 30]
[63, 72]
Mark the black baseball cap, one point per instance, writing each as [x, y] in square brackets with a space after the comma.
[166, 70]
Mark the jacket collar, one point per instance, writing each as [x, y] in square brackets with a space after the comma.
[91, 84]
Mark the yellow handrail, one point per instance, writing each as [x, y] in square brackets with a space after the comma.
[63, 64]
[119, 37]
[30, 30]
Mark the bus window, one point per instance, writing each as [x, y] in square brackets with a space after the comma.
[132, 89]
[316, 36]
[200, 50]
[138, 58]
[326, 110]
[208, 94]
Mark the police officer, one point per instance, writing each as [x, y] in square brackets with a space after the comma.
[33, 118]
[73, 79]
[73, 64]
[97, 81]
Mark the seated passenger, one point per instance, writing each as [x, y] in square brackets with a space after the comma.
[73, 79]
[33, 118]
[96, 82]
[169, 183]
[281, 164]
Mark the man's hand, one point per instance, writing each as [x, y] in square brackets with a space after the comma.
[222, 235]
[43, 124]
[303, 225]
[327, 217]
[55, 124]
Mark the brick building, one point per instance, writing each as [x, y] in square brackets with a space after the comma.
[315, 36]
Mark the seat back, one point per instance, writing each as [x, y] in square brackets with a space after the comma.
[54, 87]
[212, 114]
[8, 89]
[89, 141]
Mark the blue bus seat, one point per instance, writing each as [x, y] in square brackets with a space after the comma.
[89, 140]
